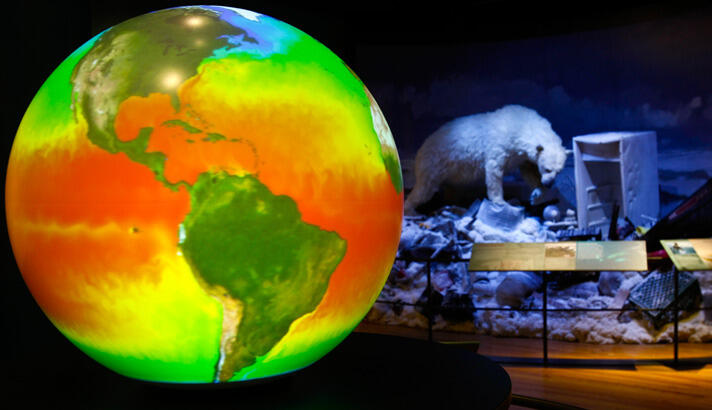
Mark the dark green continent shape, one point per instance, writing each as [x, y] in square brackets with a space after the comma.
[254, 244]
[153, 53]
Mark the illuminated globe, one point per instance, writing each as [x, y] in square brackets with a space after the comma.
[204, 194]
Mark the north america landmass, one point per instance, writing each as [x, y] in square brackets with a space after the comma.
[247, 247]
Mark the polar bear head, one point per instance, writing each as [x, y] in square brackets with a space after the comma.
[550, 160]
[543, 145]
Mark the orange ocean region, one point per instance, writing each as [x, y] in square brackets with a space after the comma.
[73, 218]
[286, 159]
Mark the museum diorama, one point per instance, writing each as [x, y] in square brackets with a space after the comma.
[208, 197]
[616, 192]
[596, 146]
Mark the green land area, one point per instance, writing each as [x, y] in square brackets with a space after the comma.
[252, 244]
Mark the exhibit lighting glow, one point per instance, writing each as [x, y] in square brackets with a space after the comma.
[195, 21]
[171, 80]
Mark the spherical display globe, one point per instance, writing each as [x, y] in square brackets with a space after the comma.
[204, 194]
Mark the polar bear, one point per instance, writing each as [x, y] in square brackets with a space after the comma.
[487, 145]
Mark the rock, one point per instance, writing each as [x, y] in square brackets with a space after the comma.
[481, 285]
[564, 279]
[585, 290]
[516, 287]
[466, 250]
[457, 307]
[530, 227]
[473, 209]
[452, 211]
[404, 276]
[626, 317]
[631, 279]
[620, 299]
[410, 233]
[464, 226]
[450, 276]
[551, 213]
[429, 244]
[446, 227]
[609, 283]
[397, 307]
[415, 270]
[398, 274]
[429, 302]
[441, 281]
[483, 290]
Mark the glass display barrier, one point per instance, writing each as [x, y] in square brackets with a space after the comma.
[553, 317]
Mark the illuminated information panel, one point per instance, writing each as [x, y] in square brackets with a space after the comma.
[560, 256]
[689, 254]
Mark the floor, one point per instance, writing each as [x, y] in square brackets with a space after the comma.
[644, 384]
[645, 387]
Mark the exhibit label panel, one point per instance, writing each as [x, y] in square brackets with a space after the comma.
[560, 256]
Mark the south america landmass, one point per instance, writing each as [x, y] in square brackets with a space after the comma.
[251, 250]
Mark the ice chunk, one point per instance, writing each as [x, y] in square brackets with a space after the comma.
[501, 215]
[507, 223]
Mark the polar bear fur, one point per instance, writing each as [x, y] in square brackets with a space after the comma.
[488, 145]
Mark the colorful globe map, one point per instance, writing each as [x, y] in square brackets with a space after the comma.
[204, 194]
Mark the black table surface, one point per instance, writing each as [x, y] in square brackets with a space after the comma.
[366, 371]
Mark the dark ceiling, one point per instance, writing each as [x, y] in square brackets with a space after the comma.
[402, 22]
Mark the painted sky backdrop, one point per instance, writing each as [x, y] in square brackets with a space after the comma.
[647, 74]
[644, 75]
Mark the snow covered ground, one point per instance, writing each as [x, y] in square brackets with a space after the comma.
[451, 232]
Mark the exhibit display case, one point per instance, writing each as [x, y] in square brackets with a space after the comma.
[634, 122]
